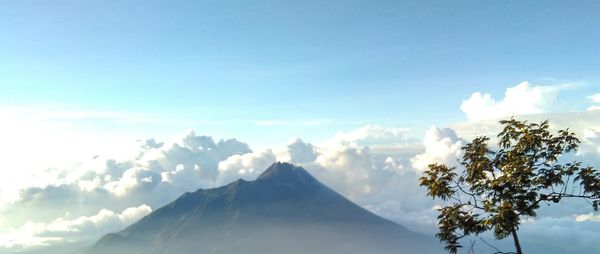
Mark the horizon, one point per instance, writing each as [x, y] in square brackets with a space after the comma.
[113, 109]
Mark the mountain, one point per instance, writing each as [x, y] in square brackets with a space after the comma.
[285, 210]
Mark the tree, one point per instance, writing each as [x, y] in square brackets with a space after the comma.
[495, 189]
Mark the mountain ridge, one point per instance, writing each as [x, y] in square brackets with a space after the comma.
[285, 210]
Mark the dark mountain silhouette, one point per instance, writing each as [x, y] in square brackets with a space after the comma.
[285, 210]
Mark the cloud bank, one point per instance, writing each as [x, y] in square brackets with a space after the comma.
[375, 166]
[35, 234]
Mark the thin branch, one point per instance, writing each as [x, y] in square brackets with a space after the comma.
[472, 248]
[473, 195]
[491, 246]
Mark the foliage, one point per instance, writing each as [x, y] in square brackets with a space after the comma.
[496, 188]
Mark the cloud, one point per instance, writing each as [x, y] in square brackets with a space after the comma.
[375, 166]
[563, 222]
[573, 232]
[522, 99]
[39, 233]
[441, 146]
[381, 180]
[590, 146]
[104, 221]
[300, 152]
[373, 135]
[193, 151]
[588, 217]
[247, 166]
[155, 174]
[577, 122]
[44, 203]
[136, 178]
[563, 234]
[348, 169]
[596, 100]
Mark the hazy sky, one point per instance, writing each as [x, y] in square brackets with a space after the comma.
[86, 78]
[238, 62]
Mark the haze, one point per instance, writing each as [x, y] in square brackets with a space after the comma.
[112, 109]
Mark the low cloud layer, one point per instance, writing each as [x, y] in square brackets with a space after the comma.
[375, 166]
[35, 234]
[381, 180]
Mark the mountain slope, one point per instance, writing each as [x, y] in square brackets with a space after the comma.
[285, 210]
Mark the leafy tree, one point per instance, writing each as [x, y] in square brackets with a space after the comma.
[496, 188]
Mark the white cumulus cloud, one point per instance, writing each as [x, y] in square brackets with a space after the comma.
[374, 166]
[247, 166]
[441, 146]
[301, 152]
[521, 99]
[156, 173]
[132, 179]
[58, 230]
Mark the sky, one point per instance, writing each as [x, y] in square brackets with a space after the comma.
[111, 100]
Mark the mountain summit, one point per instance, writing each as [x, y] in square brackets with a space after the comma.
[285, 210]
[285, 172]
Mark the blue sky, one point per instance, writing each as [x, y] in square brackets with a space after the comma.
[354, 62]
[364, 82]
